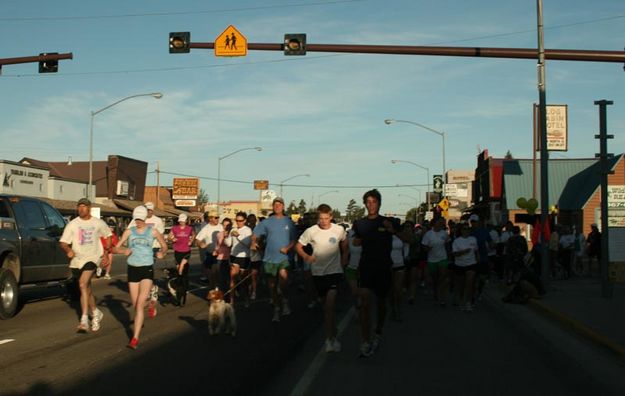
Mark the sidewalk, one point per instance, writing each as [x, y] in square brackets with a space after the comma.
[578, 305]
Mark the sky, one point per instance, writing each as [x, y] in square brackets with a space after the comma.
[321, 114]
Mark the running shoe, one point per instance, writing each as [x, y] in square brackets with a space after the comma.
[203, 279]
[276, 315]
[312, 304]
[152, 309]
[375, 342]
[133, 343]
[365, 350]
[332, 346]
[96, 320]
[285, 308]
[107, 276]
[253, 296]
[98, 272]
[83, 326]
[336, 345]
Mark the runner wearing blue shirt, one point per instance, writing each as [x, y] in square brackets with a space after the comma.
[280, 237]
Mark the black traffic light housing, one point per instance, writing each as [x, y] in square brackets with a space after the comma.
[295, 44]
[179, 42]
[49, 66]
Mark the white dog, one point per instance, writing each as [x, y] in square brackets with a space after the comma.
[221, 317]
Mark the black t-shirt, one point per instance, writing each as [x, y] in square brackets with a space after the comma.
[377, 242]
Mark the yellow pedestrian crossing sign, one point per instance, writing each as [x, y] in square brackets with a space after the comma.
[231, 43]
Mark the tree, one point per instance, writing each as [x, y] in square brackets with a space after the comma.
[508, 155]
[410, 215]
[202, 199]
[292, 209]
[301, 208]
[354, 212]
[336, 215]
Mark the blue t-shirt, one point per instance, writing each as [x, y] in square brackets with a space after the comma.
[141, 246]
[278, 232]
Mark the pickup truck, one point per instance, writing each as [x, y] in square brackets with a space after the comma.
[30, 252]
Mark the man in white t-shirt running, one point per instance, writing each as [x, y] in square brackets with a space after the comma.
[329, 256]
[81, 243]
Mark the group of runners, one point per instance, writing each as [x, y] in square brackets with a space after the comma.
[380, 258]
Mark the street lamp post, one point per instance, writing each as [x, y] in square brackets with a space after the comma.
[390, 121]
[292, 177]
[427, 195]
[155, 95]
[325, 193]
[417, 201]
[219, 171]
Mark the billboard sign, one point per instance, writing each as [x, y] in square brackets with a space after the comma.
[185, 188]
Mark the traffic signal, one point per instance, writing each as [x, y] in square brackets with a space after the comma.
[295, 44]
[49, 66]
[179, 42]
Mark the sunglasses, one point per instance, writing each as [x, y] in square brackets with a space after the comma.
[239, 220]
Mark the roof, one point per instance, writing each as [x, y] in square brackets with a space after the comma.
[69, 207]
[518, 178]
[580, 187]
[78, 170]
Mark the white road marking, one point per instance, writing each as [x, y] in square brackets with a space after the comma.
[303, 384]
[6, 341]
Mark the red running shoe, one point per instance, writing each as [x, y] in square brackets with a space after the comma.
[133, 343]
[152, 309]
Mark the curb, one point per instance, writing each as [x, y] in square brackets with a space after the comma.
[578, 327]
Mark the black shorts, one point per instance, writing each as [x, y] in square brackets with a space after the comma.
[483, 268]
[137, 274]
[89, 266]
[179, 256]
[460, 270]
[411, 263]
[209, 260]
[256, 265]
[378, 280]
[325, 283]
[242, 262]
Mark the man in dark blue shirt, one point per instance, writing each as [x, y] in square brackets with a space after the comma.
[375, 234]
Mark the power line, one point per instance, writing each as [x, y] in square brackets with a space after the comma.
[290, 185]
[160, 14]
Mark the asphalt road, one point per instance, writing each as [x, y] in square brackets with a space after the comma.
[433, 351]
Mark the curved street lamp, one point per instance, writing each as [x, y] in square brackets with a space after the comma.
[326, 193]
[219, 171]
[427, 197]
[292, 177]
[390, 121]
[155, 95]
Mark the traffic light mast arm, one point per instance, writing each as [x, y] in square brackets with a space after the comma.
[31, 59]
[519, 53]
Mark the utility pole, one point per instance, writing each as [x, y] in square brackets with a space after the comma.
[544, 153]
[607, 289]
[158, 182]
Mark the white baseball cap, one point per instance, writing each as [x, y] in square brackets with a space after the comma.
[182, 218]
[140, 213]
[149, 205]
[474, 217]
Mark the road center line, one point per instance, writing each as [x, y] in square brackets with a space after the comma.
[6, 341]
[317, 363]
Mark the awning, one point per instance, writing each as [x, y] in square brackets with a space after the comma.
[68, 208]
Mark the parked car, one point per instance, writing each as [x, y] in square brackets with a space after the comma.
[30, 252]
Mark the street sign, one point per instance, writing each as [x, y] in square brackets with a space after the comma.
[185, 188]
[437, 181]
[185, 203]
[231, 43]
[261, 184]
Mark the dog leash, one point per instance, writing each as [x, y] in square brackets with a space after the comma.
[238, 283]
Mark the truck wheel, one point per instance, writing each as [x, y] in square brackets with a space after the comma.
[8, 294]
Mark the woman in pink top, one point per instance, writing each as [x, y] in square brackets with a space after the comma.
[182, 236]
[222, 254]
